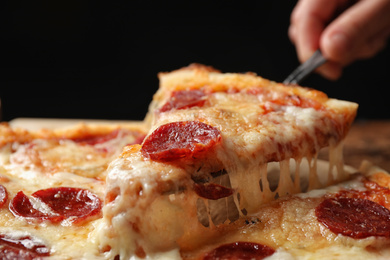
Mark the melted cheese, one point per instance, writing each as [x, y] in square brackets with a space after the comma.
[290, 226]
[151, 209]
[44, 163]
[169, 219]
[139, 206]
[165, 224]
[51, 156]
[252, 138]
[152, 206]
[64, 241]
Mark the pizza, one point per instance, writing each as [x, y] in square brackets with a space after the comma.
[224, 166]
[52, 187]
[211, 138]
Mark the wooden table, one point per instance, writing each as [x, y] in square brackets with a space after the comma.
[368, 140]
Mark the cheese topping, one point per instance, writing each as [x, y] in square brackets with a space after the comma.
[249, 142]
[152, 206]
[53, 161]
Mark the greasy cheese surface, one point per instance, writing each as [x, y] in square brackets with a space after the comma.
[51, 156]
[151, 209]
[257, 127]
[51, 159]
[64, 242]
[260, 121]
[251, 137]
[252, 132]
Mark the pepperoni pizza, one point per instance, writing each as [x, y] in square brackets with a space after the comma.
[52, 188]
[224, 166]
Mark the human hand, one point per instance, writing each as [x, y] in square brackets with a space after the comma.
[359, 32]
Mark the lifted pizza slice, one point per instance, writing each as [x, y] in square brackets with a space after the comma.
[208, 158]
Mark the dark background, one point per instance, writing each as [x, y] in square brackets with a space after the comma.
[99, 60]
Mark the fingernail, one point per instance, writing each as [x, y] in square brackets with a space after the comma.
[339, 44]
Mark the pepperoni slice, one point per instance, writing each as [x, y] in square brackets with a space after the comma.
[97, 138]
[57, 204]
[212, 191]
[22, 247]
[70, 202]
[22, 206]
[184, 99]
[3, 195]
[240, 250]
[373, 192]
[180, 139]
[354, 217]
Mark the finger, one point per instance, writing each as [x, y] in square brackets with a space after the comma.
[352, 34]
[309, 19]
[292, 32]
